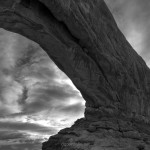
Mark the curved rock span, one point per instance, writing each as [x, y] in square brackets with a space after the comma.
[82, 38]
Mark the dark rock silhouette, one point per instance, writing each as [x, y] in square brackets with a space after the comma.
[82, 38]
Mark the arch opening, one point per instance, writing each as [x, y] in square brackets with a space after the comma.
[37, 99]
[62, 46]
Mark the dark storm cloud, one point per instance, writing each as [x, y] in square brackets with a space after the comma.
[9, 135]
[26, 146]
[31, 127]
[133, 19]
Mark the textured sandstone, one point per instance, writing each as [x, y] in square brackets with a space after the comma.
[84, 41]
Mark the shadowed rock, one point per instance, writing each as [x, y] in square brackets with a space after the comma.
[82, 38]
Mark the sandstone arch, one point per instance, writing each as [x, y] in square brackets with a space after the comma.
[84, 41]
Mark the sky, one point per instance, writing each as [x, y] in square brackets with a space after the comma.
[133, 19]
[36, 98]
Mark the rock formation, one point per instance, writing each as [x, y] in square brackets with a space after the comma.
[82, 38]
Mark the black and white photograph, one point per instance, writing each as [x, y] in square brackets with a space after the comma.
[74, 75]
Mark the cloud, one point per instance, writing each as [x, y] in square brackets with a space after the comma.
[9, 135]
[16, 140]
[58, 92]
[23, 65]
[72, 109]
[132, 18]
[26, 146]
[33, 92]
[43, 92]
[30, 127]
[32, 82]
[10, 89]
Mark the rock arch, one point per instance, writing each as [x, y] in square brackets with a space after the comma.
[82, 38]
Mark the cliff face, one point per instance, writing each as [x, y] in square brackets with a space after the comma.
[84, 41]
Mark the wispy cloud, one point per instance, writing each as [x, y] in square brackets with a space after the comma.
[25, 146]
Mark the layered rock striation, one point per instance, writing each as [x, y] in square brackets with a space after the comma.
[82, 38]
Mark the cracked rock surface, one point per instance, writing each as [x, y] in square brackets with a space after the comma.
[82, 38]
